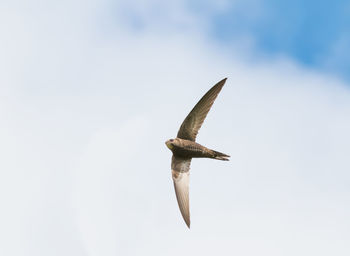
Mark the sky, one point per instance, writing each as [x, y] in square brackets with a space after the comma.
[91, 90]
[313, 33]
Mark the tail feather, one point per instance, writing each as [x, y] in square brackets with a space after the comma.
[220, 156]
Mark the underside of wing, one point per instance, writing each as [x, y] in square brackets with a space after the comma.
[181, 185]
[193, 122]
[181, 177]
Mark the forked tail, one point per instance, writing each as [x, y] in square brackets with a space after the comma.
[220, 156]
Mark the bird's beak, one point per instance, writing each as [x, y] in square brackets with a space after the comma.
[168, 144]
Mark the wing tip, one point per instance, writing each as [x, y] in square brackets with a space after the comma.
[221, 83]
[187, 220]
[223, 80]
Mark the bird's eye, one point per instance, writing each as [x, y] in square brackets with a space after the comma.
[171, 140]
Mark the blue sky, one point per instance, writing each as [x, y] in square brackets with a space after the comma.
[308, 31]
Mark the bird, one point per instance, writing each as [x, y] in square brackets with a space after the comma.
[184, 147]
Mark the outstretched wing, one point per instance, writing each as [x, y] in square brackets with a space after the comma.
[180, 169]
[194, 120]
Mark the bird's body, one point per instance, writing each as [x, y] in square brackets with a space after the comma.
[184, 148]
[189, 149]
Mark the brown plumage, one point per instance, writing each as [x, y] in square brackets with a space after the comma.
[185, 148]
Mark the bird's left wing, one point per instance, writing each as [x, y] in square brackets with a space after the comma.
[194, 120]
[180, 169]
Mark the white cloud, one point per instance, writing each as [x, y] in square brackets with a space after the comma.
[81, 99]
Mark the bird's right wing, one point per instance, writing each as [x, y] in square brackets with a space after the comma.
[193, 122]
[180, 169]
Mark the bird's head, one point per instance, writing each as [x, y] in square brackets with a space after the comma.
[170, 143]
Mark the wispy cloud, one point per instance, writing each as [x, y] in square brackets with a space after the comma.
[304, 31]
